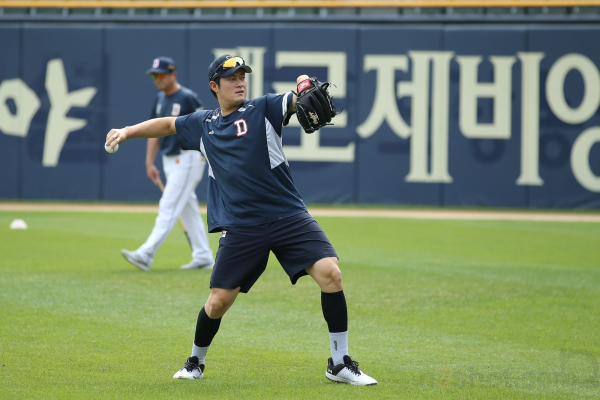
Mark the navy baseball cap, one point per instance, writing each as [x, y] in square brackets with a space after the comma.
[226, 65]
[162, 65]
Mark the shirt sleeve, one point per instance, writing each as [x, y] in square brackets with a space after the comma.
[189, 130]
[278, 106]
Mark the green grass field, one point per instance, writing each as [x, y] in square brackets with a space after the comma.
[438, 309]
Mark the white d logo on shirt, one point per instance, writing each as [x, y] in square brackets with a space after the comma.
[175, 110]
[242, 127]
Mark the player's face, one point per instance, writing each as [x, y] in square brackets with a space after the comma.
[234, 88]
[164, 81]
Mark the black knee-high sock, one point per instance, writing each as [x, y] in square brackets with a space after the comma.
[206, 329]
[335, 311]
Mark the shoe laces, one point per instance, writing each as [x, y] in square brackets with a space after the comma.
[190, 365]
[353, 367]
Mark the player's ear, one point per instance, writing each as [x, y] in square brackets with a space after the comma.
[214, 87]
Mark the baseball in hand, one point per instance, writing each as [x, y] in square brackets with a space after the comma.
[109, 150]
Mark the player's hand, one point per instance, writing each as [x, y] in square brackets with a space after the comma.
[116, 136]
[301, 78]
[153, 173]
[293, 108]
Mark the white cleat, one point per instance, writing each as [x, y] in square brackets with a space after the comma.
[198, 265]
[135, 258]
[191, 370]
[348, 372]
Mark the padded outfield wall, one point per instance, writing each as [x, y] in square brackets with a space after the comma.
[485, 115]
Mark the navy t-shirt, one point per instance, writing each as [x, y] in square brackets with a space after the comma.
[250, 182]
[182, 102]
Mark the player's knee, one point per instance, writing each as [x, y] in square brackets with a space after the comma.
[333, 274]
[166, 205]
[336, 276]
[217, 306]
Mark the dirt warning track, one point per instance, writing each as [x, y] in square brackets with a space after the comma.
[332, 212]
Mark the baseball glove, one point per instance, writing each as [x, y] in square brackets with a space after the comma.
[314, 106]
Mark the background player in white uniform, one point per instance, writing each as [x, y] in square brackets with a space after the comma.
[183, 170]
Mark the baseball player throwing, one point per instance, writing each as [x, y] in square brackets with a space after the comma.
[183, 170]
[254, 204]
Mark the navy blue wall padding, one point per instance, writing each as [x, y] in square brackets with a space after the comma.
[560, 188]
[484, 171]
[384, 158]
[113, 58]
[10, 146]
[77, 175]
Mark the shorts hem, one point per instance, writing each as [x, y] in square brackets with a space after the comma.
[242, 290]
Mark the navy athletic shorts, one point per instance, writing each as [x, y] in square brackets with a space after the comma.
[297, 241]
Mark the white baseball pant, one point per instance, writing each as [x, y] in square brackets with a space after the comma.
[183, 173]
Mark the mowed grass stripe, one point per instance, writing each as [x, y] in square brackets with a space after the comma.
[438, 309]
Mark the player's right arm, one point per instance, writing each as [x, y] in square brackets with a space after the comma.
[151, 150]
[152, 128]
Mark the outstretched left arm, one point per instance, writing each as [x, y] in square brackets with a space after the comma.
[153, 128]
